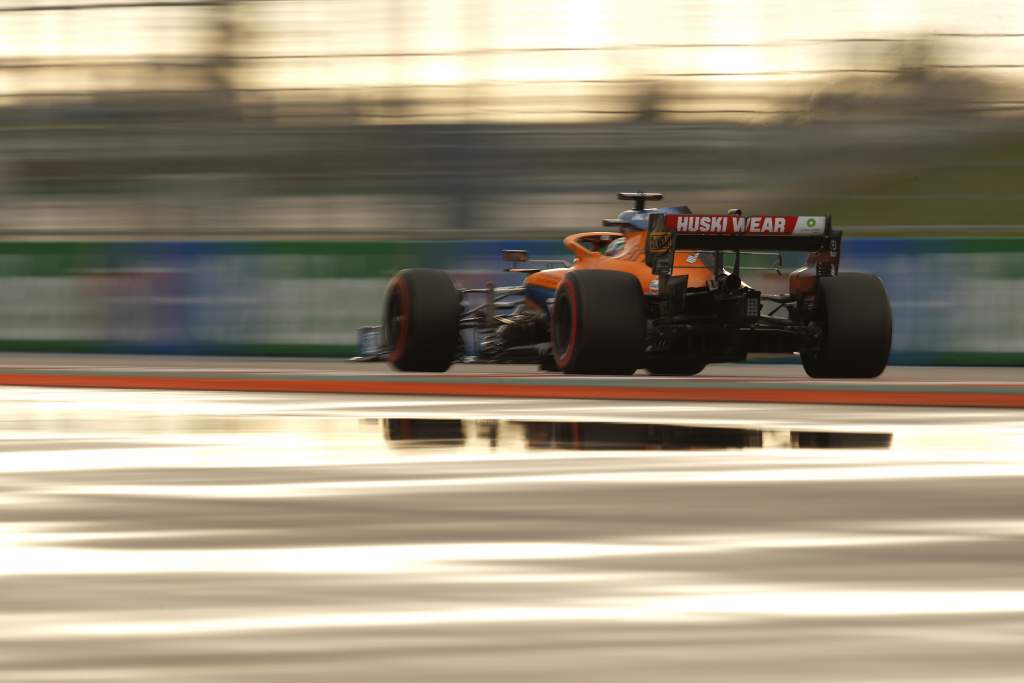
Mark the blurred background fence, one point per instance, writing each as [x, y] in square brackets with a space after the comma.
[163, 161]
[955, 300]
[362, 119]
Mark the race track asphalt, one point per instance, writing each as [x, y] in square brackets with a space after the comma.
[260, 536]
[751, 383]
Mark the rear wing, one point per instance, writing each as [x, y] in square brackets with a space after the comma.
[668, 232]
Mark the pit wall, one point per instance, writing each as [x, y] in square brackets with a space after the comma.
[956, 301]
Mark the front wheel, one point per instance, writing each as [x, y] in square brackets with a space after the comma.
[853, 312]
[599, 323]
[422, 308]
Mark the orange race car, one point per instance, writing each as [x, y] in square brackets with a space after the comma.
[663, 292]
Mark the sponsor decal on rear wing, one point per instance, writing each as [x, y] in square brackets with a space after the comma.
[746, 225]
[776, 233]
[668, 232]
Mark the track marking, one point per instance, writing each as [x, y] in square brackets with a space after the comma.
[968, 395]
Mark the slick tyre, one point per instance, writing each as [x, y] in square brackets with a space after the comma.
[421, 320]
[856, 321]
[598, 324]
[677, 367]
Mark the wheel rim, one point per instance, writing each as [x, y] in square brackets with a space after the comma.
[397, 319]
[563, 327]
[817, 355]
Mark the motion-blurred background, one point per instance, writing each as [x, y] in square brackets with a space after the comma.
[244, 175]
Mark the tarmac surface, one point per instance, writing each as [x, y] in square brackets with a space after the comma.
[923, 387]
[174, 535]
[82, 362]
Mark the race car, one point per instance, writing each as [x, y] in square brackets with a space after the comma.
[660, 289]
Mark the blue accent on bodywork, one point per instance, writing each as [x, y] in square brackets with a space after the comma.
[539, 295]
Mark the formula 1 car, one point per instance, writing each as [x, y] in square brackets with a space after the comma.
[663, 291]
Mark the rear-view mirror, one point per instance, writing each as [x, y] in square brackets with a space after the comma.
[515, 255]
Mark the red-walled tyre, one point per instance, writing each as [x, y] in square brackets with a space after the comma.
[421, 320]
[599, 324]
[856, 321]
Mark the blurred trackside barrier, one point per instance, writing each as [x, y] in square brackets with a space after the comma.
[247, 298]
[956, 300]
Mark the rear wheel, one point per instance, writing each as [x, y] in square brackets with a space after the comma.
[598, 325]
[675, 366]
[856, 322]
[422, 308]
